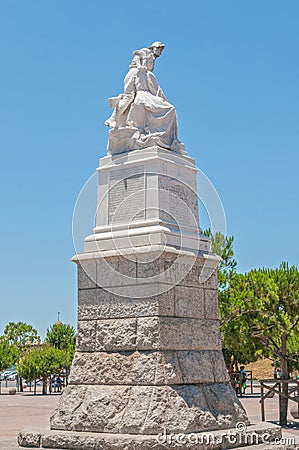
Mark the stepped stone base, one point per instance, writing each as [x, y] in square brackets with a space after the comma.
[262, 434]
[147, 409]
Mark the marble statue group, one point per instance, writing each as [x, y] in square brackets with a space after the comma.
[142, 113]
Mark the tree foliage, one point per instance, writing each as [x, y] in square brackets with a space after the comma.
[21, 335]
[237, 348]
[8, 353]
[42, 361]
[260, 316]
[259, 311]
[223, 246]
[61, 336]
[21, 344]
[263, 307]
[239, 306]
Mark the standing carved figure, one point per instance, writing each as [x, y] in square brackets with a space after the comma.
[142, 112]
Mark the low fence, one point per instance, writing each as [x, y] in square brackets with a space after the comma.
[270, 387]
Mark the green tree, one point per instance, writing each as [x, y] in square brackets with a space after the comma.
[236, 303]
[236, 347]
[8, 353]
[20, 334]
[281, 336]
[61, 336]
[223, 246]
[262, 308]
[42, 361]
[259, 313]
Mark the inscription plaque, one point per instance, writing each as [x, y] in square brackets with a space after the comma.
[126, 195]
[182, 204]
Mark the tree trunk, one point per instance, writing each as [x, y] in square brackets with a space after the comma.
[44, 386]
[283, 401]
[21, 384]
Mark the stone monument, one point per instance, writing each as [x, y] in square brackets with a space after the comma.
[148, 363]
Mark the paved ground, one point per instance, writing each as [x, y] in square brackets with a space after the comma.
[27, 410]
[21, 411]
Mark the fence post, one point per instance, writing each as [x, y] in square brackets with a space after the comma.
[262, 402]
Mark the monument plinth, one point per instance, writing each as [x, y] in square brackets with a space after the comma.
[147, 197]
[148, 356]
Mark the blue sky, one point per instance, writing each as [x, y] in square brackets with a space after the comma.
[231, 69]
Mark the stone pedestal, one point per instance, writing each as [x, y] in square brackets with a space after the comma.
[151, 361]
[148, 355]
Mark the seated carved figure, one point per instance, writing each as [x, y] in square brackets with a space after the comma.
[142, 112]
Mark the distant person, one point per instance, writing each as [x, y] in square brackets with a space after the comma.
[275, 373]
[236, 381]
[237, 386]
[243, 378]
[57, 384]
